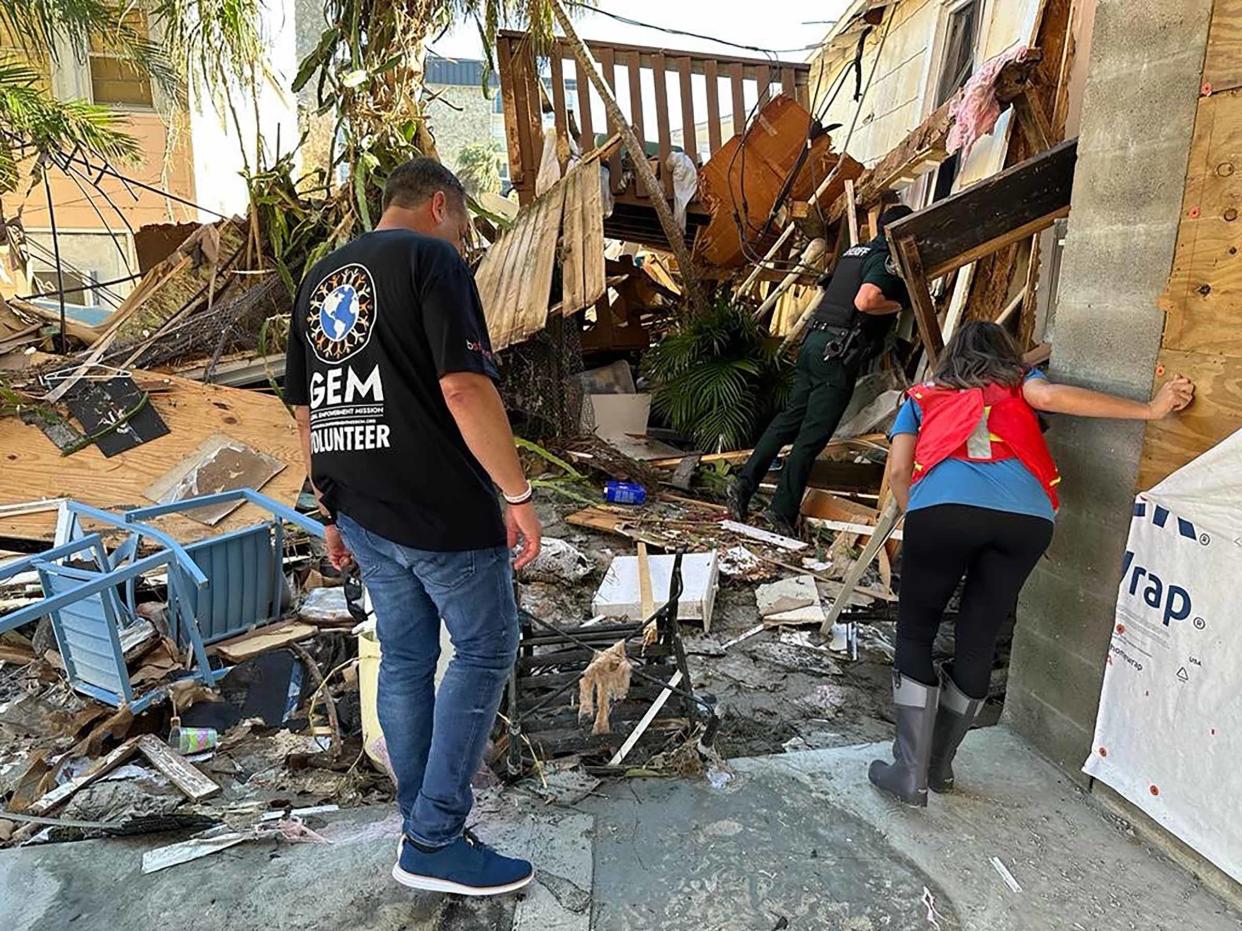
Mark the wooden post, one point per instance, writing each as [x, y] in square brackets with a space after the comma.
[906, 252]
[851, 212]
[810, 255]
[646, 177]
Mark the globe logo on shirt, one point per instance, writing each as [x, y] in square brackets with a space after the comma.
[341, 313]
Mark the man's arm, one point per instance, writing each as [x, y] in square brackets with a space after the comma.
[475, 404]
[338, 553]
[870, 299]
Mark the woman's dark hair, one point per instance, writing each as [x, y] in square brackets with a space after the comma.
[979, 353]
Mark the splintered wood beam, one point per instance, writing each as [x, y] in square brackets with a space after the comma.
[906, 254]
[998, 211]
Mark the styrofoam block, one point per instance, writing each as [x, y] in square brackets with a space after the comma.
[617, 595]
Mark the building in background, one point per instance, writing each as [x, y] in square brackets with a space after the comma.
[190, 169]
[462, 114]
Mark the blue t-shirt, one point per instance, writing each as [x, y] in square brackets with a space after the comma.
[1003, 485]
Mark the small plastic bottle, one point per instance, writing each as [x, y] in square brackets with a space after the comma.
[616, 492]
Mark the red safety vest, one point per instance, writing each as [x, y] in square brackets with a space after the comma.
[981, 425]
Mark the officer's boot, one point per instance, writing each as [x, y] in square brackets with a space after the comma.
[906, 777]
[954, 719]
[738, 498]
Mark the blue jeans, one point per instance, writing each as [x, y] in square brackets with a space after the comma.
[436, 742]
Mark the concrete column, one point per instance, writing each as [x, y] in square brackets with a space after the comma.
[1146, 61]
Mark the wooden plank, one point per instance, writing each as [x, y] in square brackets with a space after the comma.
[689, 137]
[101, 767]
[1222, 66]
[607, 65]
[183, 774]
[633, 68]
[987, 216]
[1215, 414]
[251, 644]
[520, 66]
[532, 303]
[739, 99]
[594, 278]
[662, 124]
[802, 92]
[559, 114]
[851, 212]
[1203, 297]
[34, 468]
[906, 254]
[787, 82]
[712, 76]
[586, 140]
[646, 601]
[571, 246]
[763, 81]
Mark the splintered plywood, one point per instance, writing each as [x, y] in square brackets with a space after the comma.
[33, 468]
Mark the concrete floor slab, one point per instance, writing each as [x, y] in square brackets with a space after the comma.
[803, 838]
[301, 887]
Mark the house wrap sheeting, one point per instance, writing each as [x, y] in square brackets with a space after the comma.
[1168, 736]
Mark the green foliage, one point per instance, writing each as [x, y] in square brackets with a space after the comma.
[716, 377]
[31, 119]
[478, 167]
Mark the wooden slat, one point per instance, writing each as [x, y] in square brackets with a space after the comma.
[906, 252]
[587, 138]
[739, 98]
[633, 70]
[787, 82]
[533, 300]
[184, 775]
[517, 170]
[521, 65]
[592, 218]
[558, 92]
[763, 78]
[802, 93]
[712, 77]
[666, 145]
[571, 245]
[689, 137]
[607, 64]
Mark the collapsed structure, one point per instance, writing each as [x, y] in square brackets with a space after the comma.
[767, 172]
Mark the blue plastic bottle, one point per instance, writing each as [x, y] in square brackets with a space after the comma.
[616, 492]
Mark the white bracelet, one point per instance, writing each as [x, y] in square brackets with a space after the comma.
[519, 499]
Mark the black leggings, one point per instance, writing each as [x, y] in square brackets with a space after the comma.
[996, 551]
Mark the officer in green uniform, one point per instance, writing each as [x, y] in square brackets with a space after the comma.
[858, 305]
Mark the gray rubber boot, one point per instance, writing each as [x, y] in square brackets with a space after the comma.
[906, 777]
[953, 721]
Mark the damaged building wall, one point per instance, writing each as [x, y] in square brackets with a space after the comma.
[1137, 132]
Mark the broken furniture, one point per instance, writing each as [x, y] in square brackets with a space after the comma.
[88, 612]
[244, 585]
[539, 721]
[217, 588]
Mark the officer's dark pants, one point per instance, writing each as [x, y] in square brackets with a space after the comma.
[821, 392]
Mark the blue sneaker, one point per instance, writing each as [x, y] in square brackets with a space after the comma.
[467, 866]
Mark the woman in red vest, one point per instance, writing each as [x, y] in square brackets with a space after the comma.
[970, 468]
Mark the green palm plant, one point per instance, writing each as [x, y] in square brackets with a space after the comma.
[716, 377]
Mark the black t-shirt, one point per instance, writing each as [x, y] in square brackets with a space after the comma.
[867, 263]
[375, 326]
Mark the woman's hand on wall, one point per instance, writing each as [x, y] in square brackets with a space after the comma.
[1174, 395]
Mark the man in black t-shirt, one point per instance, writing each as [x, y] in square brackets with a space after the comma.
[391, 377]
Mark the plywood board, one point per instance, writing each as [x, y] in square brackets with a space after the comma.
[1215, 414]
[33, 468]
[1203, 297]
[1222, 66]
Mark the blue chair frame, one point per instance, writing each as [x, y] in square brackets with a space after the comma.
[235, 594]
